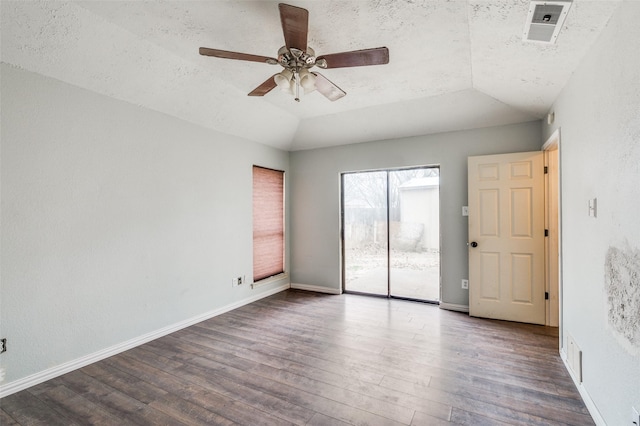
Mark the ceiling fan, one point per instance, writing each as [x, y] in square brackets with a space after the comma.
[297, 58]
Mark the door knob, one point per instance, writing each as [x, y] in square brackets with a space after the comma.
[474, 244]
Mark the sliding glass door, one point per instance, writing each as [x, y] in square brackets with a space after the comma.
[365, 212]
[391, 233]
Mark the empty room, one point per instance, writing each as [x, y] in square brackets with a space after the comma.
[388, 212]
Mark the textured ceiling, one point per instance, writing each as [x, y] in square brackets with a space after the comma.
[453, 64]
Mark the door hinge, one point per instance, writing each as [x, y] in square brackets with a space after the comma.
[546, 170]
[546, 295]
[546, 232]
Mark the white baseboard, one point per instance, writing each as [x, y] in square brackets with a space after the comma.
[316, 288]
[270, 280]
[591, 406]
[50, 373]
[454, 307]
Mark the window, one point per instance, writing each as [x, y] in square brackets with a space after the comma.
[268, 222]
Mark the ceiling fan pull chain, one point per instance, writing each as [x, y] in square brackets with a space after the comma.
[296, 76]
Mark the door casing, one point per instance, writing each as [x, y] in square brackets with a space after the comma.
[553, 216]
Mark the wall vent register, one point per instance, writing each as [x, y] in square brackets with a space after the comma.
[545, 20]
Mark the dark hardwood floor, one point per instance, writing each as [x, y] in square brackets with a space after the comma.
[310, 359]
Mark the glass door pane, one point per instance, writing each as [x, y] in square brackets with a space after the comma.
[414, 225]
[365, 232]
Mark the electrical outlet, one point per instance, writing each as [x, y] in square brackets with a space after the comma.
[3, 345]
[635, 417]
[465, 284]
[239, 280]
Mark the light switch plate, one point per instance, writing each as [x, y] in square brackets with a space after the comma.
[593, 207]
[465, 210]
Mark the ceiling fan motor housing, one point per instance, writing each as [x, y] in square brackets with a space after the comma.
[296, 59]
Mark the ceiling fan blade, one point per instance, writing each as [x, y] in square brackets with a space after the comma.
[205, 51]
[327, 88]
[265, 87]
[356, 58]
[295, 25]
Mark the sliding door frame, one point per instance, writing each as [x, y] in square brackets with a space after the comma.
[388, 225]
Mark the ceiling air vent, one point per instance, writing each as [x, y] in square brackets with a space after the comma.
[545, 20]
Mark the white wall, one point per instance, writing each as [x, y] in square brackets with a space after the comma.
[315, 195]
[117, 221]
[598, 114]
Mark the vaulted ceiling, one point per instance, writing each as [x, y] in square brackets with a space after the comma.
[454, 65]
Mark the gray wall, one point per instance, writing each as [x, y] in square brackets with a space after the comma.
[315, 196]
[117, 221]
[598, 114]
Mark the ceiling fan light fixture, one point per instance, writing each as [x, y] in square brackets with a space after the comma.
[289, 89]
[284, 79]
[307, 80]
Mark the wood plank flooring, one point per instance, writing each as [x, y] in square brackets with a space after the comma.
[299, 358]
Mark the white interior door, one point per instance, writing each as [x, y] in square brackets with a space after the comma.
[506, 237]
